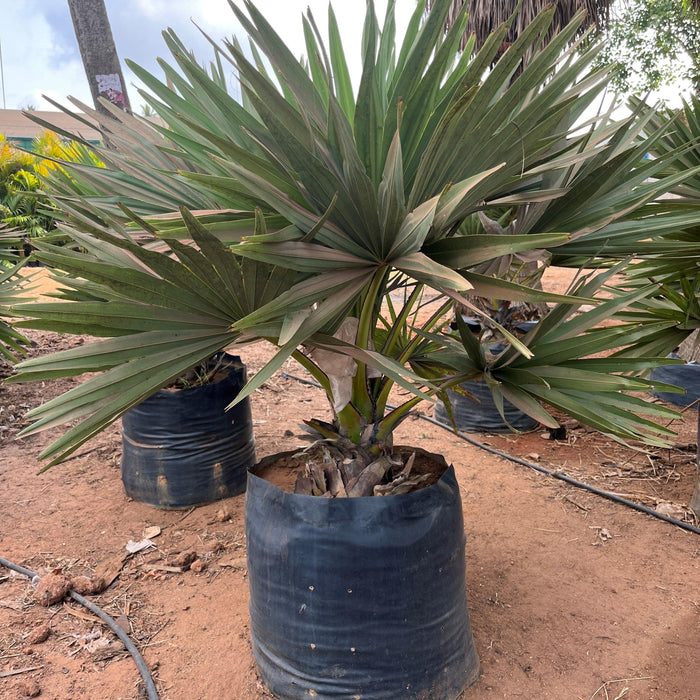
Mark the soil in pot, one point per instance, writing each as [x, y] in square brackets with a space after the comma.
[359, 597]
[182, 447]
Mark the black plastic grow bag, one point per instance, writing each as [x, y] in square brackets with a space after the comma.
[685, 376]
[182, 448]
[359, 597]
[479, 414]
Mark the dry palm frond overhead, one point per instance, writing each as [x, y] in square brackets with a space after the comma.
[486, 15]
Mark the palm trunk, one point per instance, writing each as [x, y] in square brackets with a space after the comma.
[98, 53]
[689, 349]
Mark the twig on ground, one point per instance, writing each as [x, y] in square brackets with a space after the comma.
[605, 685]
[152, 644]
[7, 674]
[83, 615]
[158, 631]
[158, 567]
[578, 505]
[189, 512]
[83, 454]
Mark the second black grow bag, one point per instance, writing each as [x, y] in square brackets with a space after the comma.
[359, 597]
[182, 448]
[479, 414]
[685, 376]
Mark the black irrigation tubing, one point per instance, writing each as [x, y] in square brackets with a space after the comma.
[542, 470]
[573, 482]
[131, 648]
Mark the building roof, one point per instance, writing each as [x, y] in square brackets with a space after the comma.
[16, 127]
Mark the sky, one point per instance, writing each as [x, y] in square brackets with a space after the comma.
[40, 53]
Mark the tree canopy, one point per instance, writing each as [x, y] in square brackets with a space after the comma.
[654, 43]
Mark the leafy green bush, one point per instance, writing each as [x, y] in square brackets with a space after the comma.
[26, 211]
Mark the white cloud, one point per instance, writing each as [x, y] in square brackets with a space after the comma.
[154, 8]
[34, 60]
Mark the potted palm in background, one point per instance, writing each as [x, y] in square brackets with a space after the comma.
[24, 214]
[670, 263]
[25, 208]
[326, 215]
[666, 260]
[675, 312]
[179, 447]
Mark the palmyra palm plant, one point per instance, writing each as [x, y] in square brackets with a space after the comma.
[297, 215]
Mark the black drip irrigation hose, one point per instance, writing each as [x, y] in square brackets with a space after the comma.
[123, 636]
[573, 482]
[542, 470]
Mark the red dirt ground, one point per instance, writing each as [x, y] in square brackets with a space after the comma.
[571, 596]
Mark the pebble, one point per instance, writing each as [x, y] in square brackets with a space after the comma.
[198, 566]
[39, 634]
[29, 688]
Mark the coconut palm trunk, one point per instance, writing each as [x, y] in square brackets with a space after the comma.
[99, 53]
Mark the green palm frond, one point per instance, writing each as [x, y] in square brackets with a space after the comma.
[664, 236]
[161, 314]
[566, 371]
[11, 283]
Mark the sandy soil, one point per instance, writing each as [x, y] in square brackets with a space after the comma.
[571, 596]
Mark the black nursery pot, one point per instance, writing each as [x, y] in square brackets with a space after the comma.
[685, 376]
[479, 414]
[182, 448]
[359, 597]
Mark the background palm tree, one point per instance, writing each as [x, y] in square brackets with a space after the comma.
[483, 19]
[485, 16]
[681, 293]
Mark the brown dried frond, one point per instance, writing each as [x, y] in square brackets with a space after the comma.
[485, 15]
